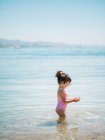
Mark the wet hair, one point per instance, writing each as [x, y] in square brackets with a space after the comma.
[62, 77]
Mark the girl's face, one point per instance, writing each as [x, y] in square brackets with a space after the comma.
[65, 84]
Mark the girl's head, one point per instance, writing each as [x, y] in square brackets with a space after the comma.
[63, 78]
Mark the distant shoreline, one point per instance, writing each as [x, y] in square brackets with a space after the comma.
[5, 43]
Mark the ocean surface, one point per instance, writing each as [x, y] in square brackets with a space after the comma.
[28, 93]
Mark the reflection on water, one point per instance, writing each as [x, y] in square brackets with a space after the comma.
[51, 129]
[64, 130]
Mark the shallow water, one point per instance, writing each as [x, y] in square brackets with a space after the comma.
[28, 93]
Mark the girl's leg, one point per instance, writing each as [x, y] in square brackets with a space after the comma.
[62, 116]
[61, 113]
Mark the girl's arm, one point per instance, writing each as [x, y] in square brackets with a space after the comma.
[73, 100]
[62, 96]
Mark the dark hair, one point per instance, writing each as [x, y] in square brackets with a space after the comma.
[62, 77]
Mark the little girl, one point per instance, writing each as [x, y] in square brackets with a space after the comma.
[63, 81]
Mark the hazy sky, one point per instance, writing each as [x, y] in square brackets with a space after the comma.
[68, 21]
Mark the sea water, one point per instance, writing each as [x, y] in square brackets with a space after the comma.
[28, 93]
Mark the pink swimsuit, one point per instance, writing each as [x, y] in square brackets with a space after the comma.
[61, 105]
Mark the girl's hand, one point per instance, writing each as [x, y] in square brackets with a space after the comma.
[76, 99]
